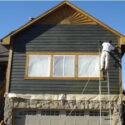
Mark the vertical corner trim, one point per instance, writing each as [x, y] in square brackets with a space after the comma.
[9, 68]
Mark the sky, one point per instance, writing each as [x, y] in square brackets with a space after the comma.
[14, 14]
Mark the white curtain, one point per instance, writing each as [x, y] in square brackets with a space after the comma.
[88, 66]
[63, 65]
[39, 66]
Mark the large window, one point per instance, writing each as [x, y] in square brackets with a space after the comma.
[88, 66]
[63, 65]
[77, 66]
[39, 66]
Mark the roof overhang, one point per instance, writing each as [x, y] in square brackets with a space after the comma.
[7, 39]
[122, 41]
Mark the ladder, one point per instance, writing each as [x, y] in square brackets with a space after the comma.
[104, 85]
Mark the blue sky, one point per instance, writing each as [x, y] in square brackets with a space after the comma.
[15, 14]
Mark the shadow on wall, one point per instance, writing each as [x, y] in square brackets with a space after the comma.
[26, 37]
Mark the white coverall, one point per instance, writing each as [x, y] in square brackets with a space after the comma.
[106, 49]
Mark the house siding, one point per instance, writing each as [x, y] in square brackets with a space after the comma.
[59, 38]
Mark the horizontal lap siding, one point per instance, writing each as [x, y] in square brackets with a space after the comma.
[66, 38]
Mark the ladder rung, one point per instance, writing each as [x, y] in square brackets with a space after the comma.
[105, 92]
[105, 111]
[103, 81]
[104, 75]
[104, 86]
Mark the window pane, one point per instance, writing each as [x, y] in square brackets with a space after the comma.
[88, 66]
[63, 66]
[58, 66]
[69, 65]
[39, 66]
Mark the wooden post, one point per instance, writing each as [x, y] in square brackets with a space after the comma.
[120, 69]
[9, 68]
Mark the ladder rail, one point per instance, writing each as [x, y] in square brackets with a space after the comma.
[100, 92]
[110, 113]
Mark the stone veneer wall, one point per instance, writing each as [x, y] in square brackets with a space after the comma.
[11, 103]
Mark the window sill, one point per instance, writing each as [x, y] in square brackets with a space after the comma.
[64, 78]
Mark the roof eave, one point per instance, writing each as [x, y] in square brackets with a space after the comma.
[122, 40]
[6, 40]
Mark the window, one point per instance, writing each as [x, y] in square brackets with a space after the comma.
[88, 66]
[49, 112]
[97, 113]
[39, 66]
[63, 65]
[74, 113]
[72, 66]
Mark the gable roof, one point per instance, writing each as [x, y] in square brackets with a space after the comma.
[6, 40]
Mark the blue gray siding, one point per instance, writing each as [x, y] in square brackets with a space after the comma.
[59, 38]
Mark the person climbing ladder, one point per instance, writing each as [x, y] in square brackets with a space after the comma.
[107, 47]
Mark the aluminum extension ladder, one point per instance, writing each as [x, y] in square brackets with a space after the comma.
[104, 84]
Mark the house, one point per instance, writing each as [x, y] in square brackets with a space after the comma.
[53, 74]
[3, 67]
